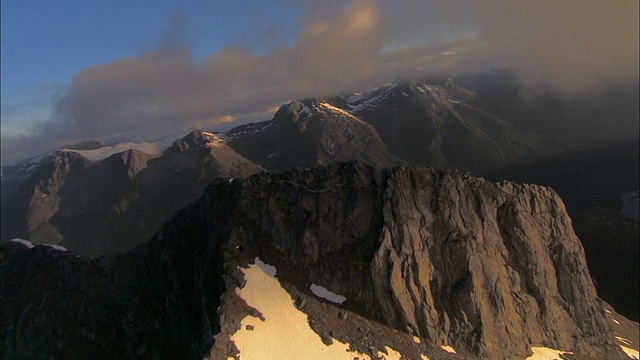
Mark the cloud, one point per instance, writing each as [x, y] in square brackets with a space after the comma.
[154, 148]
[175, 36]
[162, 92]
[570, 45]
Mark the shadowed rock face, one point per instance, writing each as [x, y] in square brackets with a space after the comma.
[158, 301]
[113, 204]
[489, 268]
[441, 125]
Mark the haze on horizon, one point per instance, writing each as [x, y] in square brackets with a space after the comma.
[298, 50]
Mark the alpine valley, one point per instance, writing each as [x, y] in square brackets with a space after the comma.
[394, 222]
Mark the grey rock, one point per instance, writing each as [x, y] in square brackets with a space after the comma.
[490, 268]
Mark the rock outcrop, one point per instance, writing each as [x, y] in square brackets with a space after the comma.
[492, 269]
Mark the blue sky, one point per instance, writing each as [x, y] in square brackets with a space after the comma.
[142, 70]
[46, 43]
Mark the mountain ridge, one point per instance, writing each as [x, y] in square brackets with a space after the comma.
[367, 215]
[112, 204]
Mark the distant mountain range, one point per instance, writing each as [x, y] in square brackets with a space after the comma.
[112, 204]
[115, 204]
[109, 205]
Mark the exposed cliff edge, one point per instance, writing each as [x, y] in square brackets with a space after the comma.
[491, 269]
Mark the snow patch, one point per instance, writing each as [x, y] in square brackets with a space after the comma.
[305, 110]
[448, 349]
[544, 353]
[362, 100]
[267, 269]
[26, 243]
[246, 130]
[416, 340]
[324, 293]
[623, 340]
[632, 353]
[340, 111]
[210, 137]
[285, 332]
[355, 97]
[222, 136]
[56, 247]
[389, 354]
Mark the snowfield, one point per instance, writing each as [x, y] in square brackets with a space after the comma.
[56, 247]
[632, 353]
[285, 332]
[26, 243]
[544, 353]
[30, 245]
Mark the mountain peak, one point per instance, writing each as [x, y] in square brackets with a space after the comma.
[292, 111]
[132, 161]
[194, 140]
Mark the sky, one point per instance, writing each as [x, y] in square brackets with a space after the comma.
[144, 70]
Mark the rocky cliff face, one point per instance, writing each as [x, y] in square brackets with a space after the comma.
[491, 269]
[38, 198]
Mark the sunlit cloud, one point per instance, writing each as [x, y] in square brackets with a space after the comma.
[572, 46]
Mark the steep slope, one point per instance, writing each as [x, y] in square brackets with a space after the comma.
[491, 270]
[29, 210]
[114, 204]
[169, 183]
[611, 236]
[308, 134]
[590, 182]
[439, 124]
[488, 268]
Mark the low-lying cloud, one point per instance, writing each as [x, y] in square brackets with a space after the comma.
[571, 45]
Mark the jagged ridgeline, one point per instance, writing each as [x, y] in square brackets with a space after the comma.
[491, 269]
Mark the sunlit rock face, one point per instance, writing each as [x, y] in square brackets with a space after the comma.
[490, 270]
